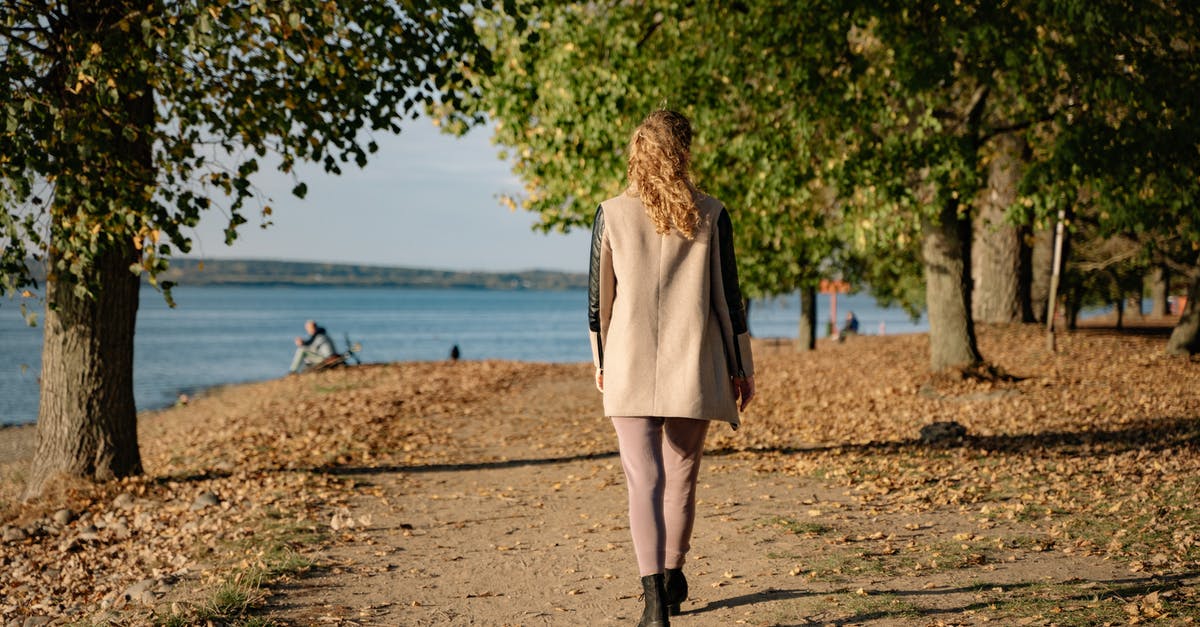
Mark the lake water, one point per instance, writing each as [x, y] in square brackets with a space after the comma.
[222, 335]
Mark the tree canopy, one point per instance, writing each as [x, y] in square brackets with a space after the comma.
[207, 89]
[840, 133]
[126, 121]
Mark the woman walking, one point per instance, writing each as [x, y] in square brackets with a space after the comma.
[669, 342]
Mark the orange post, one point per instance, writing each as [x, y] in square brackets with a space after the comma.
[833, 288]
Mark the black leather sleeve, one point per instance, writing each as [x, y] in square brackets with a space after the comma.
[594, 271]
[729, 275]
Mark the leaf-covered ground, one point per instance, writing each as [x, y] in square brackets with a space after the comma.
[440, 493]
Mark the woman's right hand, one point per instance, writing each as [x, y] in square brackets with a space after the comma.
[600, 380]
[743, 390]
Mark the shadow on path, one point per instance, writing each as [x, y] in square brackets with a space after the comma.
[1120, 589]
[1148, 435]
[495, 465]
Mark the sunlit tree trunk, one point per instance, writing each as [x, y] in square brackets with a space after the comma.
[1160, 281]
[1185, 339]
[945, 249]
[87, 418]
[807, 339]
[996, 245]
[87, 421]
[1041, 267]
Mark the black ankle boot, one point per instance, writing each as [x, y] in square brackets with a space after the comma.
[655, 613]
[675, 586]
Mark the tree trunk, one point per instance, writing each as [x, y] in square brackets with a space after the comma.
[87, 421]
[996, 248]
[946, 252]
[807, 339]
[1160, 289]
[1185, 339]
[1041, 267]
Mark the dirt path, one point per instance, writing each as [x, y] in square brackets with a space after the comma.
[489, 493]
[534, 535]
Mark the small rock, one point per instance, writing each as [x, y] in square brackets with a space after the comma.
[36, 621]
[64, 516]
[119, 530]
[205, 499]
[141, 592]
[13, 534]
[88, 533]
[944, 432]
[124, 500]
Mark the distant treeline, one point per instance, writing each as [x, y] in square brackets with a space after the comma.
[259, 272]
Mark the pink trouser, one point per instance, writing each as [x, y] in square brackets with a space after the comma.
[660, 474]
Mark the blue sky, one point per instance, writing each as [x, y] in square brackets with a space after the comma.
[426, 199]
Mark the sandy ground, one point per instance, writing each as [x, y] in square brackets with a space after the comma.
[537, 539]
[491, 494]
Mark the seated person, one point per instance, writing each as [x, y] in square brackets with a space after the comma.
[314, 350]
[851, 326]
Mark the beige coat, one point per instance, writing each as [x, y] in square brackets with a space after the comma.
[668, 326]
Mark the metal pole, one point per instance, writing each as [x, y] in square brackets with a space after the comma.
[833, 330]
[1051, 307]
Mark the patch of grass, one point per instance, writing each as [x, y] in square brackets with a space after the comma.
[1069, 605]
[843, 566]
[798, 527]
[336, 387]
[1141, 530]
[915, 561]
[234, 598]
[881, 606]
[273, 546]
[851, 607]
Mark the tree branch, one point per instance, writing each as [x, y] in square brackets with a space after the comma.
[1016, 126]
[656, 21]
[28, 44]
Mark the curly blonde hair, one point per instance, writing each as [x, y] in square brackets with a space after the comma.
[660, 152]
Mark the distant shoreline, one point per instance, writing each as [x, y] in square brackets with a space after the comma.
[187, 271]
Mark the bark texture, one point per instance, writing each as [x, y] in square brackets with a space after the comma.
[996, 247]
[945, 249]
[1041, 268]
[807, 339]
[1185, 339]
[1160, 282]
[87, 420]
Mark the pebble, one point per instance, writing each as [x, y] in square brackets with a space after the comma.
[13, 534]
[141, 592]
[205, 499]
[119, 530]
[124, 500]
[64, 516]
[36, 621]
[89, 532]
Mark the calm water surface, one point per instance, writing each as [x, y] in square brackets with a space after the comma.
[222, 335]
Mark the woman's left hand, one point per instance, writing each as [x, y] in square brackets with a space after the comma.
[600, 380]
[743, 389]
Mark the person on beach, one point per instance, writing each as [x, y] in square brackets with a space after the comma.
[312, 350]
[849, 328]
[670, 344]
